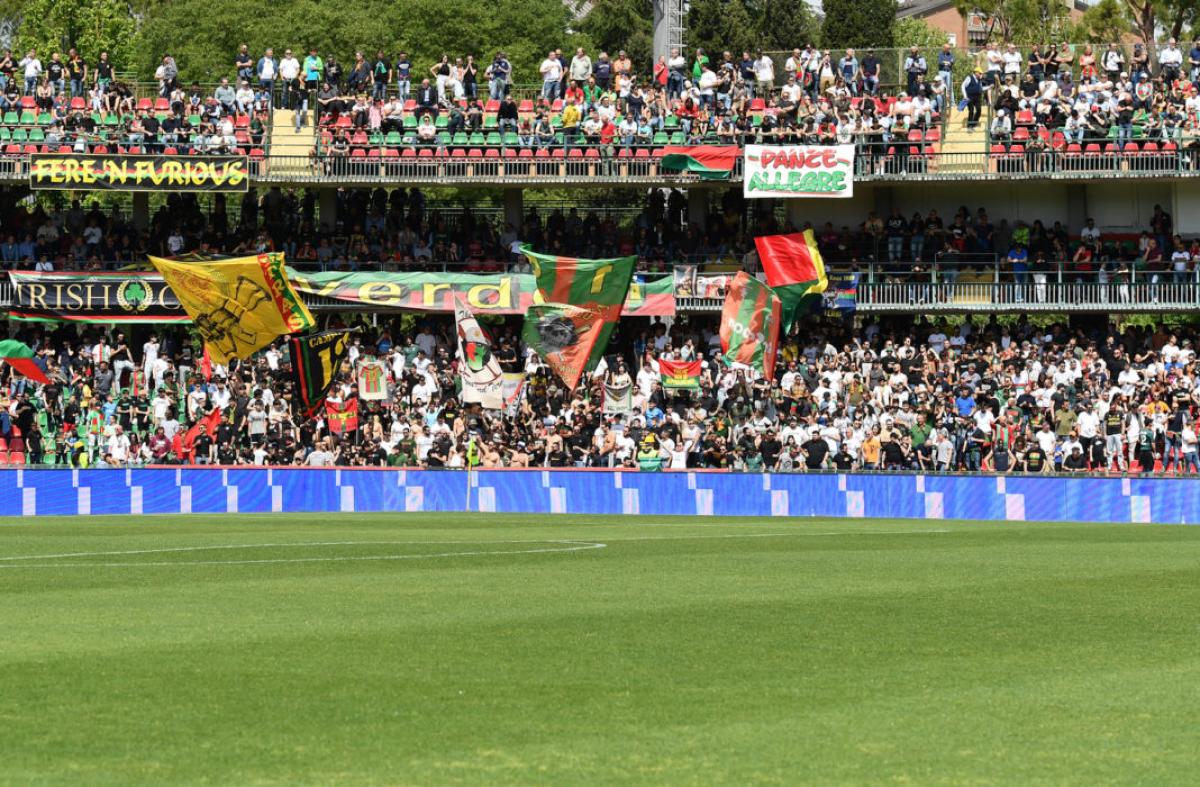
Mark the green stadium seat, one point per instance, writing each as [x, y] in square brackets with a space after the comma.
[491, 121]
[28, 118]
[476, 139]
[11, 118]
[661, 138]
[493, 138]
[393, 139]
[678, 138]
[460, 138]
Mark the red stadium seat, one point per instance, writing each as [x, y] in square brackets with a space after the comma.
[16, 458]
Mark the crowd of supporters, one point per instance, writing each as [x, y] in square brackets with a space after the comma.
[970, 399]
[398, 230]
[1058, 97]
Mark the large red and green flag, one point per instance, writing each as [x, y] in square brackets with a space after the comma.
[599, 286]
[316, 360]
[210, 423]
[342, 417]
[795, 270]
[710, 162]
[750, 324]
[679, 375]
[20, 358]
[565, 336]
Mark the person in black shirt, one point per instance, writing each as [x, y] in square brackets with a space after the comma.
[843, 460]
[815, 452]
[202, 447]
[1076, 462]
[1034, 460]
[770, 447]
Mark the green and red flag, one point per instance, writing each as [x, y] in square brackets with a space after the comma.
[599, 286]
[342, 417]
[210, 423]
[750, 324]
[794, 268]
[565, 336]
[316, 360]
[679, 375]
[710, 162]
[20, 358]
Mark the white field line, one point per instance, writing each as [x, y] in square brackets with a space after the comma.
[26, 561]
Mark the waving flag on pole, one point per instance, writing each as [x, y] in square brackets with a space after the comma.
[597, 286]
[240, 305]
[565, 336]
[20, 358]
[710, 162]
[794, 268]
[750, 324]
[482, 379]
[316, 359]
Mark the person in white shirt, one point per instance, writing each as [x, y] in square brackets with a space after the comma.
[1191, 459]
[32, 68]
[551, 71]
[1012, 61]
[764, 74]
[1171, 61]
[118, 446]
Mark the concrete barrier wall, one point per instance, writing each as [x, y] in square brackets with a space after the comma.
[260, 490]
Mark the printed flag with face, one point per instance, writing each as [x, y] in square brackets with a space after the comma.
[564, 336]
[750, 324]
[599, 286]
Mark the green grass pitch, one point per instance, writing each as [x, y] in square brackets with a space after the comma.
[494, 649]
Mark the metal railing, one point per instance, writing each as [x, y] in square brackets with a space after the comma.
[997, 287]
[582, 165]
[1029, 296]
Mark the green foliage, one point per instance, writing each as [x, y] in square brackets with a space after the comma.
[1104, 22]
[911, 31]
[613, 25]
[750, 25]
[784, 24]
[1023, 21]
[717, 25]
[203, 35]
[861, 24]
[91, 26]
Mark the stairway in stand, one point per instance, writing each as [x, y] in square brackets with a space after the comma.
[290, 149]
[961, 140]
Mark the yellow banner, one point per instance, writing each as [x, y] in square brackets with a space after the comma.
[99, 172]
[239, 306]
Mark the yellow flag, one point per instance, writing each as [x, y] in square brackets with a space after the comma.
[239, 306]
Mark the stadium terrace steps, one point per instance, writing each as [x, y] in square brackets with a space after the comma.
[290, 149]
[960, 139]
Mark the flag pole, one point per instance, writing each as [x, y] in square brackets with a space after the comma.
[470, 452]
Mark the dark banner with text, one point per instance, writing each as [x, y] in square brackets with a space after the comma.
[98, 172]
[94, 297]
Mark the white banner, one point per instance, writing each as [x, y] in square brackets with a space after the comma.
[817, 171]
[477, 366]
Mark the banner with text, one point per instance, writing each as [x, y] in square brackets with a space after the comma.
[102, 172]
[484, 293]
[120, 296]
[94, 297]
[778, 171]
